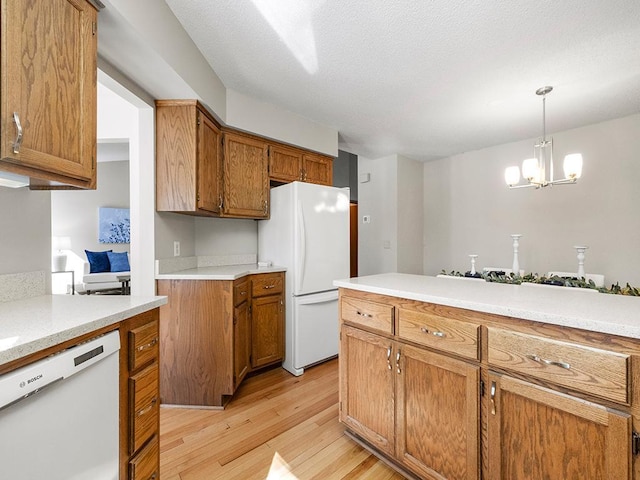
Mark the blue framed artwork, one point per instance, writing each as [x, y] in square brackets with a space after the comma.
[114, 225]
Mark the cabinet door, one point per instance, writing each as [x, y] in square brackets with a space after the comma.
[367, 386]
[241, 342]
[317, 169]
[285, 164]
[267, 330]
[209, 166]
[49, 72]
[535, 432]
[437, 431]
[246, 178]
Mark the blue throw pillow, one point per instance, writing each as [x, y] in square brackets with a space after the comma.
[98, 261]
[119, 261]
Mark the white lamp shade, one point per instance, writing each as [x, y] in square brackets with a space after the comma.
[573, 165]
[512, 175]
[61, 243]
[531, 169]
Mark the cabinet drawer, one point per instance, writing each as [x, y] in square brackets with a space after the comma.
[368, 314]
[143, 345]
[240, 291]
[591, 370]
[266, 284]
[144, 404]
[145, 465]
[442, 333]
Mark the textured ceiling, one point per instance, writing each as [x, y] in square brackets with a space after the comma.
[426, 78]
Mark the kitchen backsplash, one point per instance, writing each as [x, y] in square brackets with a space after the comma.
[171, 265]
[16, 286]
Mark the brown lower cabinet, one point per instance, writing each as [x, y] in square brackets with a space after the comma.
[447, 393]
[139, 397]
[417, 406]
[535, 432]
[214, 332]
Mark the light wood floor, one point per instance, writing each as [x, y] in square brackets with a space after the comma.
[276, 427]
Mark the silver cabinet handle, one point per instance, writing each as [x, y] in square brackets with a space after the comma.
[266, 207]
[435, 333]
[18, 142]
[493, 398]
[146, 410]
[398, 362]
[220, 202]
[268, 287]
[389, 357]
[366, 315]
[148, 345]
[544, 361]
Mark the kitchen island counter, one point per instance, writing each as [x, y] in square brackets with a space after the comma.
[33, 324]
[564, 306]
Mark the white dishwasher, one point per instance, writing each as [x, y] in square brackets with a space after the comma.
[59, 416]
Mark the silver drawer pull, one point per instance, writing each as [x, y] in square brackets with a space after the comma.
[148, 345]
[544, 361]
[146, 410]
[389, 357]
[267, 287]
[435, 333]
[243, 293]
[366, 315]
[18, 140]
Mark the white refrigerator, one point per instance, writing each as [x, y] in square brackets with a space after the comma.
[308, 233]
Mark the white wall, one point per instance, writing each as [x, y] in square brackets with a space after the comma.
[410, 216]
[226, 236]
[469, 210]
[170, 227]
[247, 113]
[378, 199]
[393, 241]
[25, 233]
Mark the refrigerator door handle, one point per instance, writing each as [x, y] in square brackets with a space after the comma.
[302, 243]
[317, 298]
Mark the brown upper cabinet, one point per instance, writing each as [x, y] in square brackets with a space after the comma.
[208, 170]
[246, 177]
[288, 164]
[188, 159]
[201, 170]
[48, 92]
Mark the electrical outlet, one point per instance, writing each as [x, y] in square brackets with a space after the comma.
[366, 219]
[176, 249]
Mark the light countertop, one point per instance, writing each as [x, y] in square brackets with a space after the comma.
[33, 324]
[224, 272]
[565, 306]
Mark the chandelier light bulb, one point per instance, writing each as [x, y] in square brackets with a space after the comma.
[531, 169]
[573, 166]
[512, 175]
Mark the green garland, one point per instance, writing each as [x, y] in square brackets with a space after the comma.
[501, 277]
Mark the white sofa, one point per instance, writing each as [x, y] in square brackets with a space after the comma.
[103, 281]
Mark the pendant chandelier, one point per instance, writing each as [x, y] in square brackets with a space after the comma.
[534, 169]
